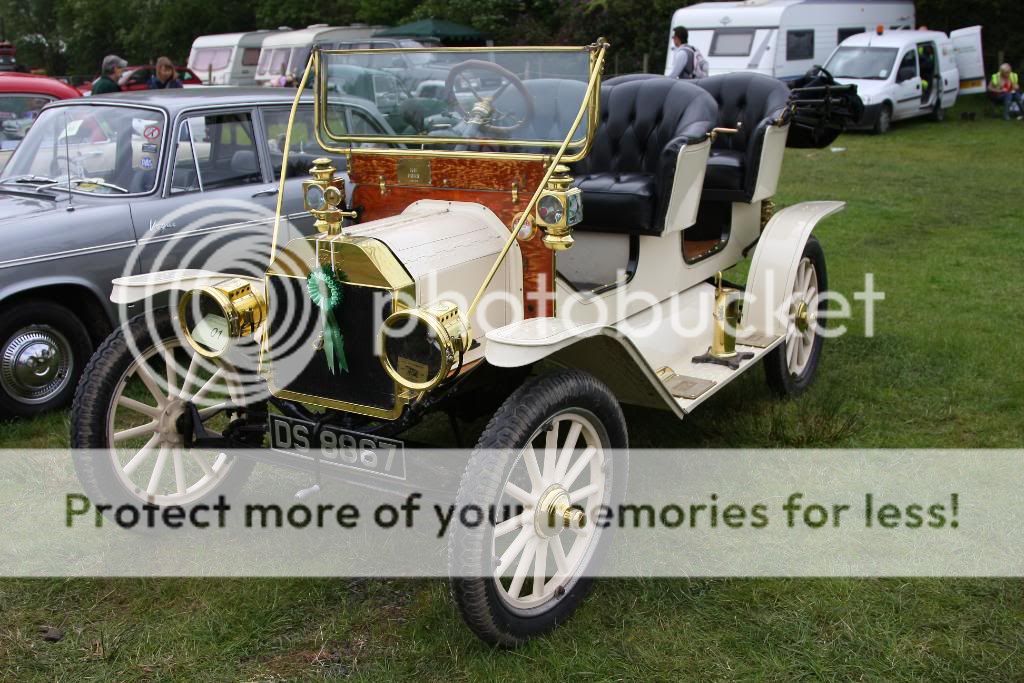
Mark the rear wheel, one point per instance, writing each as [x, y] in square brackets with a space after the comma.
[43, 348]
[939, 113]
[551, 456]
[791, 367]
[132, 411]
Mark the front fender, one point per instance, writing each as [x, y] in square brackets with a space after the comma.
[601, 350]
[773, 269]
[134, 288]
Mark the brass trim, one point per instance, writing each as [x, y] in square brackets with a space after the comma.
[332, 404]
[243, 309]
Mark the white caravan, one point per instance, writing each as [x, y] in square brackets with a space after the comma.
[286, 53]
[903, 74]
[227, 58]
[781, 38]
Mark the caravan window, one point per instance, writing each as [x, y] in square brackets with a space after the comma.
[250, 56]
[799, 45]
[845, 33]
[731, 42]
[207, 58]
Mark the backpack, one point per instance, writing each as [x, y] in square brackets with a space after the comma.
[700, 63]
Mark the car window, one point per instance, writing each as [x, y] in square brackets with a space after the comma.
[215, 151]
[304, 146]
[17, 114]
[909, 63]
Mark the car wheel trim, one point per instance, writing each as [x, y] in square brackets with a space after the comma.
[36, 364]
[803, 324]
[536, 548]
[163, 441]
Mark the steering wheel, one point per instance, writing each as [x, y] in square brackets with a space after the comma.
[483, 113]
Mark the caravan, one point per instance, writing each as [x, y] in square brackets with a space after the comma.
[227, 58]
[904, 74]
[781, 38]
[284, 54]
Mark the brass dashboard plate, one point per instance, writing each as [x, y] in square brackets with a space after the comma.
[414, 171]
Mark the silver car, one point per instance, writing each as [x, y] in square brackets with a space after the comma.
[134, 183]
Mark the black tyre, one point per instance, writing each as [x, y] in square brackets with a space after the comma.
[128, 412]
[884, 122]
[791, 367]
[43, 349]
[938, 114]
[492, 566]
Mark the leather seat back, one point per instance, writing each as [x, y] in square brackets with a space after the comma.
[747, 99]
[640, 117]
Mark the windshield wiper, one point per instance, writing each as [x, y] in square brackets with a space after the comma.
[29, 178]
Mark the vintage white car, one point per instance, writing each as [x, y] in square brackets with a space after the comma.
[555, 253]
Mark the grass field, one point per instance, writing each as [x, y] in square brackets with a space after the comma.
[934, 214]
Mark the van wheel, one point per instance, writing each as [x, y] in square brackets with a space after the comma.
[884, 122]
[43, 349]
[939, 114]
[551, 456]
[790, 367]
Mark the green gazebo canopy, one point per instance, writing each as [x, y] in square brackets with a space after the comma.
[445, 31]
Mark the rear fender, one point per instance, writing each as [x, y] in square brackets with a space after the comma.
[773, 270]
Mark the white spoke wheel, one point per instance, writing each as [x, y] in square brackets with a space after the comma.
[791, 367]
[130, 409]
[552, 455]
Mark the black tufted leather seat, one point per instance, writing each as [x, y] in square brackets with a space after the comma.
[754, 101]
[627, 177]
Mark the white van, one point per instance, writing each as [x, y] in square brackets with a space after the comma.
[780, 38]
[227, 58]
[286, 53]
[903, 74]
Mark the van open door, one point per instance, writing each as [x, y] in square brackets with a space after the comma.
[967, 46]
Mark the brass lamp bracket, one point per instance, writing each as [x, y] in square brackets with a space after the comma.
[324, 197]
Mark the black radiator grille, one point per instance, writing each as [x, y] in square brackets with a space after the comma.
[294, 327]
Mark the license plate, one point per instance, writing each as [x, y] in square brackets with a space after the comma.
[336, 446]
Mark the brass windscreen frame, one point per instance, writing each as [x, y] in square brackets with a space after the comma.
[571, 150]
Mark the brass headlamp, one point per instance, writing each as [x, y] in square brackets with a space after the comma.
[559, 208]
[324, 197]
[212, 315]
[422, 347]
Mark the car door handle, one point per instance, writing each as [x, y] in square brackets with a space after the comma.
[265, 193]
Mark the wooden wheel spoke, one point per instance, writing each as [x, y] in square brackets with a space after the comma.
[572, 475]
[141, 430]
[558, 552]
[158, 470]
[580, 494]
[138, 406]
[515, 589]
[513, 523]
[519, 494]
[205, 466]
[550, 451]
[513, 551]
[540, 568]
[145, 373]
[530, 460]
[179, 470]
[568, 448]
[140, 456]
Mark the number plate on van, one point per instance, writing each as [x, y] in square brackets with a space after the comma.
[336, 446]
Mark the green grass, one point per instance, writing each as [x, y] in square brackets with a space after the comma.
[934, 214]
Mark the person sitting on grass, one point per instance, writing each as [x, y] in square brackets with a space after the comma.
[1004, 89]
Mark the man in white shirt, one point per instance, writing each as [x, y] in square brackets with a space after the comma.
[682, 58]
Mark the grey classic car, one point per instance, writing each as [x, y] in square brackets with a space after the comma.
[131, 183]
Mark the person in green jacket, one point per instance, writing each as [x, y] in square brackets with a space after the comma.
[110, 73]
[1004, 88]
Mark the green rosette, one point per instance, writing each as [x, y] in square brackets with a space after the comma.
[324, 286]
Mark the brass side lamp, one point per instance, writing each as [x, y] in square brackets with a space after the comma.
[324, 197]
[559, 208]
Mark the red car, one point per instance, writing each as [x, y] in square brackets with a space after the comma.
[22, 96]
